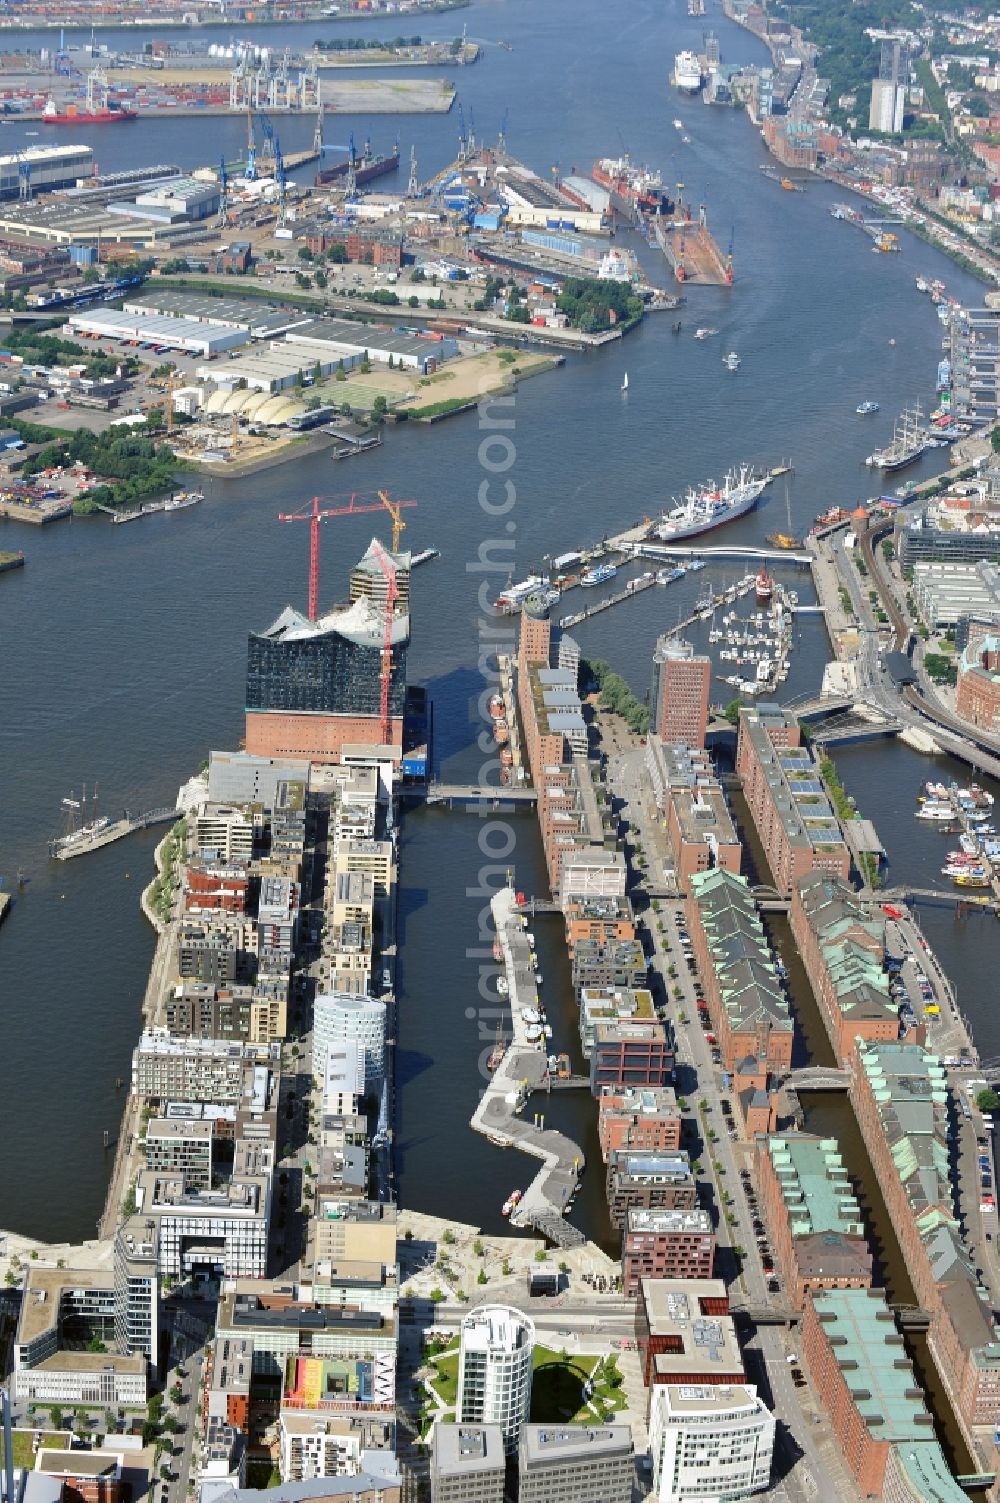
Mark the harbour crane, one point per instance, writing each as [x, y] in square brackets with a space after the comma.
[251, 168]
[388, 568]
[502, 133]
[314, 515]
[462, 149]
[472, 133]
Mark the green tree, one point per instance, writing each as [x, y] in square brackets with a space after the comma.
[987, 1101]
[379, 408]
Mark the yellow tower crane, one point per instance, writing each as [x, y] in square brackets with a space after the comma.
[398, 525]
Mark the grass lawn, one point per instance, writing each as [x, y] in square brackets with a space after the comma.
[558, 1384]
[446, 1382]
[24, 1455]
[557, 1391]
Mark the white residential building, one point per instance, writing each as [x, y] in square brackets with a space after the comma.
[709, 1443]
[494, 1370]
[342, 1018]
[222, 1230]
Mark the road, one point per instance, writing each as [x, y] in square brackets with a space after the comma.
[800, 1470]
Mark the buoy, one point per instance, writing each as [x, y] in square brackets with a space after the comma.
[62, 897]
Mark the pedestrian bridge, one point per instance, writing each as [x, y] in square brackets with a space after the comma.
[666, 551]
[818, 1078]
[476, 793]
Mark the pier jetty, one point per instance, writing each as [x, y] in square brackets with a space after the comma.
[522, 1070]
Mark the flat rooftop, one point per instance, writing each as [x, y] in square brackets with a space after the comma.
[559, 1443]
[40, 1305]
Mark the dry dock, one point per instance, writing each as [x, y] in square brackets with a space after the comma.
[522, 1070]
[692, 252]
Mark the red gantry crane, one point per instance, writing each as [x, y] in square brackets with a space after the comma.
[313, 514]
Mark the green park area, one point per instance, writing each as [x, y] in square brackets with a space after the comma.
[564, 1387]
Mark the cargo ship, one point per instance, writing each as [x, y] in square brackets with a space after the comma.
[367, 167]
[632, 189]
[111, 115]
[710, 505]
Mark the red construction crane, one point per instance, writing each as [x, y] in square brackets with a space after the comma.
[388, 568]
[314, 516]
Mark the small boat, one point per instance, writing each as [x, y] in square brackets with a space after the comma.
[625, 384]
[935, 811]
[678, 125]
[922, 284]
[503, 986]
[496, 707]
[763, 585]
[731, 361]
[598, 576]
[864, 408]
[704, 333]
[513, 1200]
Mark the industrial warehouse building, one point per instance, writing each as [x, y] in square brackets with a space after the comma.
[45, 167]
[185, 334]
[259, 320]
[343, 337]
[273, 368]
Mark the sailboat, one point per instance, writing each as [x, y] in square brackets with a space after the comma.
[625, 383]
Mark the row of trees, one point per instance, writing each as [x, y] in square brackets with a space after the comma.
[616, 696]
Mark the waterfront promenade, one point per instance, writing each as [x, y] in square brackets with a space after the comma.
[522, 1070]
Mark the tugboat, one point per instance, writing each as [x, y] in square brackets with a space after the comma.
[513, 1200]
[763, 585]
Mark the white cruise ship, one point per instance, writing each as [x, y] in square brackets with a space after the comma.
[687, 73]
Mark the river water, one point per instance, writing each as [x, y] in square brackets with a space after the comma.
[124, 653]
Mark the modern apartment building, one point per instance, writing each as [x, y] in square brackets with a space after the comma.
[679, 696]
[195, 1069]
[812, 1213]
[181, 1146]
[666, 1245]
[709, 1441]
[693, 810]
[788, 803]
[649, 1181]
[646, 1120]
[221, 1231]
[137, 1289]
[495, 1365]
[342, 1018]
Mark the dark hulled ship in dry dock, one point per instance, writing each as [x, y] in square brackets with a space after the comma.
[368, 166]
